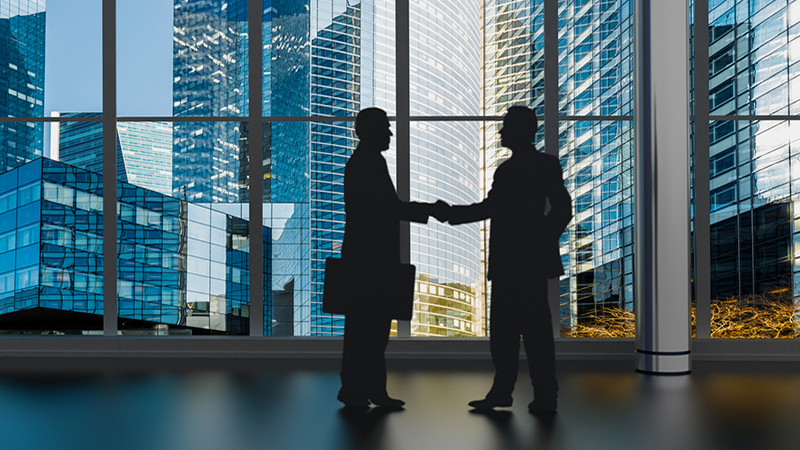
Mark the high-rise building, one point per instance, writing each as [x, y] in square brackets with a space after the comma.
[144, 150]
[22, 38]
[596, 79]
[181, 266]
[753, 181]
[352, 58]
[445, 80]
[211, 159]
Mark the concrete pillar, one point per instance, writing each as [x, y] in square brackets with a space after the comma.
[661, 221]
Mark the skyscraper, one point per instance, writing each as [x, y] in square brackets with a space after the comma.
[22, 38]
[445, 80]
[144, 150]
[753, 181]
[595, 78]
[51, 243]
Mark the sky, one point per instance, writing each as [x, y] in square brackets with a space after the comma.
[73, 57]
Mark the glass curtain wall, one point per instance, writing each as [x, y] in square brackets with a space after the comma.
[752, 60]
[184, 159]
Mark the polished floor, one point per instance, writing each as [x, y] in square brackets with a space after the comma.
[68, 403]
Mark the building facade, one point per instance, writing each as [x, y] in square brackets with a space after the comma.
[144, 150]
[752, 71]
[183, 268]
[22, 40]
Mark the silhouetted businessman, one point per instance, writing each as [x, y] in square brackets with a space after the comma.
[523, 254]
[372, 247]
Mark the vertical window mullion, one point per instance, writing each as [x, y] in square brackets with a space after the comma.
[109, 168]
[403, 134]
[702, 205]
[551, 126]
[256, 180]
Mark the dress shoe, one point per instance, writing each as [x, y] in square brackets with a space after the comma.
[543, 405]
[353, 400]
[491, 402]
[384, 401]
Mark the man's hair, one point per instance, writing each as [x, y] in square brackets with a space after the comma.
[522, 122]
[369, 121]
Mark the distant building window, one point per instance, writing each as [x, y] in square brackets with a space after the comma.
[584, 176]
[583, 202]
[609, 188]
[724, 196]
[721, 94]
[722, 162]
[721, 129]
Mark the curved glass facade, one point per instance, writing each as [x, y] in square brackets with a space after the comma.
[445, 80]
[22, 40]
[596, 79]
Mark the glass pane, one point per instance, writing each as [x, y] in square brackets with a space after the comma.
[446, 163]
[182, 59]
[595, 53]
[754, 221]
[348, 66]
[445, 57]
[288, 307]
[50, 57]
[183, 228]
[753, 54]
[597, 248]
[332, 144]
[513, 60]
[51, 237]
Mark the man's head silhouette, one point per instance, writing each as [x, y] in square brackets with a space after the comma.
[519, 127]
[372, 128]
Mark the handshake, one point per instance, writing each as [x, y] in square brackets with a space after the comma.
[441, 211]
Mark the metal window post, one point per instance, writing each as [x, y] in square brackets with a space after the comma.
[403, 134]
[256, 188]
[551, 101]
[702, 201]
[661, 221]
[109, 168]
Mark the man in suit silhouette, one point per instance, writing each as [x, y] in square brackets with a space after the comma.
[523, 254]
[371, 246]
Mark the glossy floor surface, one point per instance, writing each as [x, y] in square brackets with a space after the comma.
[233, 404]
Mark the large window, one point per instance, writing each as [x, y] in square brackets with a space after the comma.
[172, 91]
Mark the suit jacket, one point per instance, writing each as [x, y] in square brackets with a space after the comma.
[373, 214]
[523, 241]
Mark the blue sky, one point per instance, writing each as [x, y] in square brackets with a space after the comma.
[73, 59]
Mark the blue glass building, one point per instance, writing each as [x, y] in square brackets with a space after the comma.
[144, 150]
[182, 266]
[22, 38]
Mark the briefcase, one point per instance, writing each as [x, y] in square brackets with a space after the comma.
[390, 291]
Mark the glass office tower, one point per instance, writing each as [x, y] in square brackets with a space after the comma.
[352, 61]
[513, 74]
[336, 75]
[144, 150]
[445, 80]
[596, 79]
[753, 60]
[22, 38]
[210, 160]
[51, 243]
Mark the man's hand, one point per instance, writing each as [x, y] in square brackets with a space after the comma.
[441, 211]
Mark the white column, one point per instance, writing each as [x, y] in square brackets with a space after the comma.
[661, 127]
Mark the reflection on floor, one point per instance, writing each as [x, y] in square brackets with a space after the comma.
[234, 404]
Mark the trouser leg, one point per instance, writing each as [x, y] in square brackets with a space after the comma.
[539, 344]
[504, 345]
[354, 364]
[363, 362]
